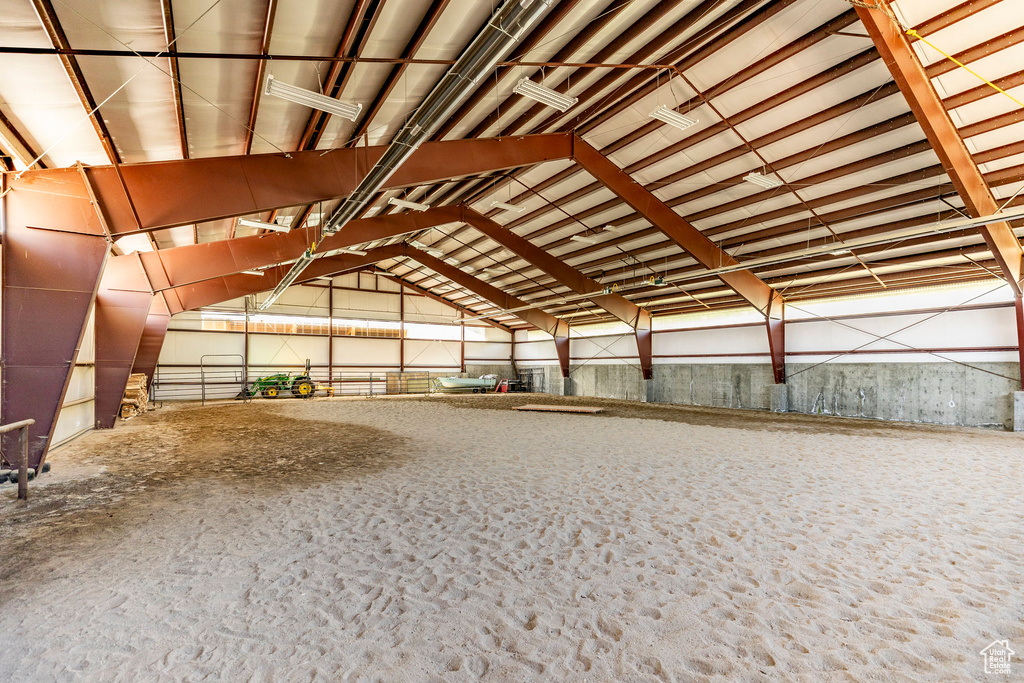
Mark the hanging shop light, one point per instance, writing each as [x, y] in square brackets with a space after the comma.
[406, 204]
[313, 100]
[249, 223]
[544, 95]
[673, 118]
[507, 207]
[768, 182]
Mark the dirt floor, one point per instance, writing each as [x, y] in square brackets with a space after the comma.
[760, 420]
[449, 538]
[108, 477]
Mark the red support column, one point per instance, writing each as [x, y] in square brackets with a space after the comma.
[616, 304]
[401, 329]
[330, 334]
[644, 346]
[152, 340]
[776, 325]
[557, 328]
[54, 248]
[122, 311]
[1018, 304]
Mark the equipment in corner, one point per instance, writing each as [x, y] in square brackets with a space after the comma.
[284, 384]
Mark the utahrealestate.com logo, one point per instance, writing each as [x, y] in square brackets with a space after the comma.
[997, 657]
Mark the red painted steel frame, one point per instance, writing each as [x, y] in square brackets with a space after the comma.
[1018, 305]
[168, 268]
[776, 323]
[616, 304]
[754, 290]
[908, 72]
[152, 340]
[48, 276]
[171, 193]
[122, 310]
[559, 329]
[216, 290]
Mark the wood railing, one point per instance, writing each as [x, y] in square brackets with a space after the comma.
[23, 425]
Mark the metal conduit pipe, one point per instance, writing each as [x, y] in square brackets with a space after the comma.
[497, 37]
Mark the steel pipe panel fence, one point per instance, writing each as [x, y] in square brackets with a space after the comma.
[226, 382]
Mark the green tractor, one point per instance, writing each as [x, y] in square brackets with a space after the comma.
[274, 386]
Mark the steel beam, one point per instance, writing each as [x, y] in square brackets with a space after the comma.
[559, 329]
[261, 70]
[616, 304]
[183, 192]
[48, 276]
[169, 268]
[706, 252]
[122, 310]
[776, 322]
[908, 72]
[756, 292]
[152, 341]
[217, 290]
[1018, 307]
[423, 291]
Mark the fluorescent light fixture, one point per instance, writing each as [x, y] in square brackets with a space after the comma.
[494, 271]
[613, 228]
[840, 252]
[423, 247]
[249, 223]
[768, 182]
[583, 238]
[508, 207]
[253, 272]
[544, 95]
[673, 118]
[406, 204]
[133, 243]
[313, 100]
[355, 252]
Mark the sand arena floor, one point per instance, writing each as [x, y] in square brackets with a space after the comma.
[454, 539]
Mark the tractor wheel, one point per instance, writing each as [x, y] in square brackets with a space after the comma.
[269, 392]
[303, 389]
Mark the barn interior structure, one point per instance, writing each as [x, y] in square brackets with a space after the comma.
[775, 243]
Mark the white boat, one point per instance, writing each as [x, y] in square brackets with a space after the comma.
[475, 384]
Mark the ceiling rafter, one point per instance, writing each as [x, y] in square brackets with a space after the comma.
[948, 142]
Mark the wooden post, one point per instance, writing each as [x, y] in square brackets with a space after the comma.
[23, 466]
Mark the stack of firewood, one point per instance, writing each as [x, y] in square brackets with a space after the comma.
[135, 399]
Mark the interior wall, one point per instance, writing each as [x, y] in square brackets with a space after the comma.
[191, 354]
[955, 365]
[78, 412]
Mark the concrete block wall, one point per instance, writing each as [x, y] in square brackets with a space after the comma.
[935, 393]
